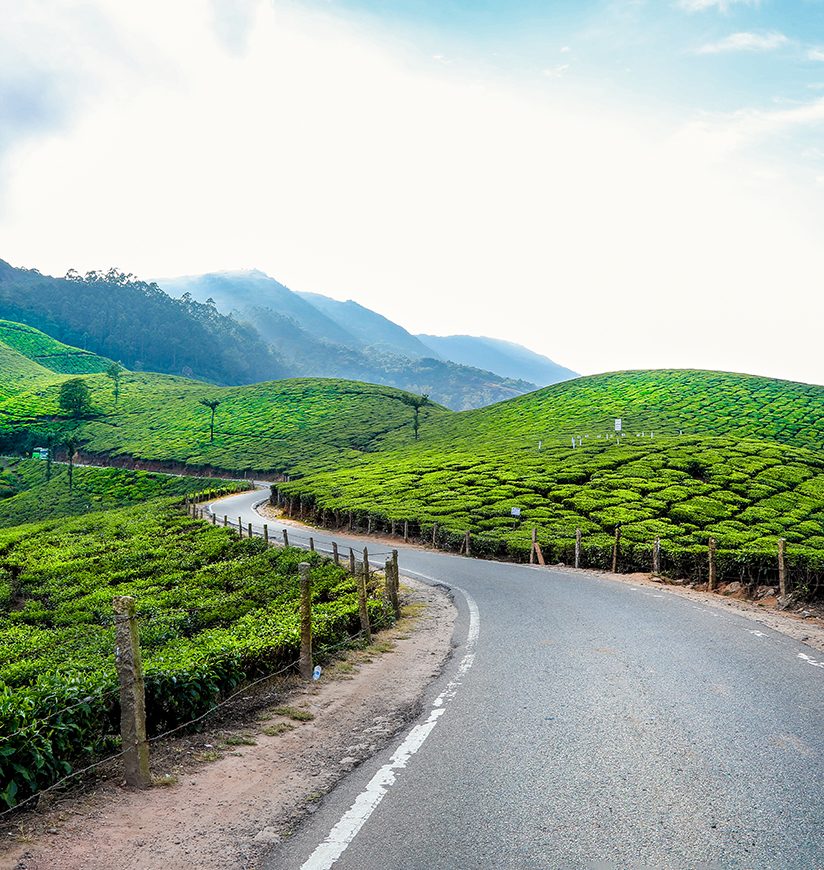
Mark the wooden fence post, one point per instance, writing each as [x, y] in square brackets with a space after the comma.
[391, 587]
[577, 548]
[266, 534]
[711, 564]
[656, 557]
[467, 539]
[225, 521]
[285, 538]
[335, 554]
[406, 531]
[312, 544]
[306, 665]
[363, 586]
[396, 579]
[132, 694]
[214, 519]
[434, 534]
[240, 526]
[615, 548]
[782, 567]
[250, 530]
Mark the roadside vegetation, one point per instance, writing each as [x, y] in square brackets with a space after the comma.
[214, 611]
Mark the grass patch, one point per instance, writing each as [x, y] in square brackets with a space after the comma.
[278, 729]
[294, 713]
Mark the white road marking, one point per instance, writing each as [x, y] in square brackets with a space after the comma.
[328, 852]
[810, 660]
[755, 631]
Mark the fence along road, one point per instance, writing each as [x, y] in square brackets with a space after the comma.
[581, 721]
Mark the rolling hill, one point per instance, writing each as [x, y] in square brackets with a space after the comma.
[48, 352]
[702, 454]
[277, 426]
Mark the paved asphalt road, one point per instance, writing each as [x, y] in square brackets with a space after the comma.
[583, 722]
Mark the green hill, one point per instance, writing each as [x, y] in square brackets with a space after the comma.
[49, 353]
[282, 426]
[18, 373]
[747, 468]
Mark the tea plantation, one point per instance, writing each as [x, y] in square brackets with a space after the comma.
[26, 495]
[278, 426]
[745, 470]
[48, 352]
[213, 611]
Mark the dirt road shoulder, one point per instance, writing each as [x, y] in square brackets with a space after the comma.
[250, 784]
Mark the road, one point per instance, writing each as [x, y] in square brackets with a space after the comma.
[583, 722]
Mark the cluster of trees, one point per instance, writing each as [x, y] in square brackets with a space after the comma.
[116, 315]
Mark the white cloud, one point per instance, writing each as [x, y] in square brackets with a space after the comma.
[342, 162]
[720, 136]
[745, 41]
[815, 54]
[556, 72]
[720, 5]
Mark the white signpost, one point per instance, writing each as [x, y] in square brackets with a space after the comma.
[516, 512]
[617, 424]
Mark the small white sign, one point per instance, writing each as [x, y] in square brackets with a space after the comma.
[516, 512]
[617, 424]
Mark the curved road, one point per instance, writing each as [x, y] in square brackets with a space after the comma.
[583, 722]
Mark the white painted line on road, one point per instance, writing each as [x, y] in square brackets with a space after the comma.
[328, 852]
[810, 660]
[755, 631]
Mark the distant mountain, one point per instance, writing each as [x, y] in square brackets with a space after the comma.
[504, 357]
[316, 336]
[135, 322]
[244, 290]
[370, 328]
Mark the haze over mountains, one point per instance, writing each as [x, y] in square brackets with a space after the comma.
[320, 336]
[243, 327]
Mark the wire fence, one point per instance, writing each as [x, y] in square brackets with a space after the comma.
[104, 701]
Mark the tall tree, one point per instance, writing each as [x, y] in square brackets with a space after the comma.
[212, 405]
[415, 403]
[71, 444]
[115, 371]
[75, 398]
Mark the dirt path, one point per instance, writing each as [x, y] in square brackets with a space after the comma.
[249, 786]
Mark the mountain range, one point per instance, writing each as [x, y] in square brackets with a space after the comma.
[321, 336]
[236, 328]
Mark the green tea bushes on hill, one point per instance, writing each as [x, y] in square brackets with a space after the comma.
[275, 426]
[685, 489]
[27, 496]
[213, 612]
[662, 402]
[48, 352]
[18, 373]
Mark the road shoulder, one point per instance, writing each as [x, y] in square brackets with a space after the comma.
[223, 810]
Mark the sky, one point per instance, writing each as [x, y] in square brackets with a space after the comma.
[616, 184]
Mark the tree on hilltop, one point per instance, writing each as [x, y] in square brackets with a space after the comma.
[212, 404]
[115, 372]
[415, 403]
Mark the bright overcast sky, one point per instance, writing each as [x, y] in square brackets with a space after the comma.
[620, 184]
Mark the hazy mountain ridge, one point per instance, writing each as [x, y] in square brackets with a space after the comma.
[320, 336]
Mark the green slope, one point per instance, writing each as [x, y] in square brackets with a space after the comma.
[18, 373]
[746, 469]
[48, 352]
[26, 495]
[278, 426]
